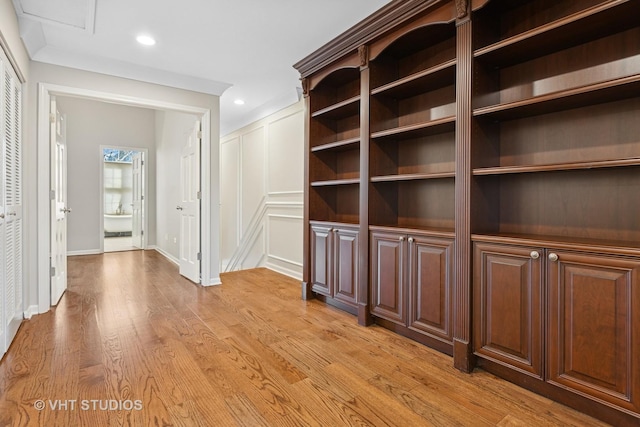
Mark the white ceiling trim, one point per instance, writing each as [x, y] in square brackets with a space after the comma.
[102, 65]
[87, 26]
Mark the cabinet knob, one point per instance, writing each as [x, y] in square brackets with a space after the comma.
[335, 230]
[534, 255]
[553, 257]
[402, 238]
[1, 216]
[410, 239]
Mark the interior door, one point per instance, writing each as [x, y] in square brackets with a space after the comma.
[11, 260]
[189, 207]
[59, 209]
[137, 205]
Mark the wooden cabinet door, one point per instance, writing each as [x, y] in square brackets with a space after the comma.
[387, 276]
[321, 260]
[507, 306]
[594, 326]
[430, 286]
[346, 265]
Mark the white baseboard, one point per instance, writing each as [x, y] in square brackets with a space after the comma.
[282, 270]
[165, 254]
[30, 311]
[214, 281]
[85, 252]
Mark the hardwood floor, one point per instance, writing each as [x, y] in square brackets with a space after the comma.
[130, 333]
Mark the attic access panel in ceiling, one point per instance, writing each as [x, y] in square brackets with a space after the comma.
[78, 14]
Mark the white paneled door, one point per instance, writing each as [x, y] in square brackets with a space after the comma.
[11, 223]
[137, 205]
[59, 207]
[189, 206]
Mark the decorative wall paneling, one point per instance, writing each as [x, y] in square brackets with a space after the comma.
[505, 131]
[261, 198]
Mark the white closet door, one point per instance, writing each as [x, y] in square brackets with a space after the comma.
[12, 195]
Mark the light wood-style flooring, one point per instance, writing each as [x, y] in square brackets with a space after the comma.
[130, 331]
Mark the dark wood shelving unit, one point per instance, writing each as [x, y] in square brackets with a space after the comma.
[475, 167]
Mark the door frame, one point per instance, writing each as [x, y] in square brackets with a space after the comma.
[45, 91]
[145, 204]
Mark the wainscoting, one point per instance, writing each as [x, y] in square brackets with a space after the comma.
[261, 195]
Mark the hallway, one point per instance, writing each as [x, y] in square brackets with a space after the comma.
[133, 343]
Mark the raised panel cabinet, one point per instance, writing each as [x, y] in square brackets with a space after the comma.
[411, 282]
[508, 306]
[594, 326]
[334, 270]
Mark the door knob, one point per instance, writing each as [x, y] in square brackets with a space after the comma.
[179, 208]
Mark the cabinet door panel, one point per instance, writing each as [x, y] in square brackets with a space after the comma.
[321, 260]
[507, 303]
[387, 276]
[430, 286]
[594, 322]
[346, 266]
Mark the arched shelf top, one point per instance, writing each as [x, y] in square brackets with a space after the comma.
[430, 28]
[343, 70]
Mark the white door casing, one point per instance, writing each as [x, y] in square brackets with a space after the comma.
[59, 207]
[189, 206]
[137, 205]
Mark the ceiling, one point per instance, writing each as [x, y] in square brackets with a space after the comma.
[240, 49]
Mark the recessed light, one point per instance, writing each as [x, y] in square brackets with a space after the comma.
[239, 102]
[146, 40]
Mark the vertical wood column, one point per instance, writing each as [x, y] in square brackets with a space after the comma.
[306, 280]
[462, 354]
[364, 316]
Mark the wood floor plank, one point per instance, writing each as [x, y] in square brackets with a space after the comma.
[250, 352]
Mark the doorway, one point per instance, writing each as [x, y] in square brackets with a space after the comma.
[208, 232]
[123, 188]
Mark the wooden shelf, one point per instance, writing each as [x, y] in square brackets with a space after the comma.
[346, 144]
[606, 91]
[335, 182]
[577, 28]
[440, 75]
[502, 170]
[413, 177]
[561, 242]
[348, 107]
[446, 124]
[435, 232]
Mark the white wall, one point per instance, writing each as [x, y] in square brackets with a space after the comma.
[261, 188]
[172, 129]
[91, 124]
[10, 39]
[36, 172]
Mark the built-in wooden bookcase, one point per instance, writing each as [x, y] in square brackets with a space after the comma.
[556, 152]
[412, 121]
[474, 166]
[334, 145]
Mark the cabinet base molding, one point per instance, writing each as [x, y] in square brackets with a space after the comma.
[364, 316]
[463, 358]
[335, 303]
[431, 342]
[612, 415]
[307, 294]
